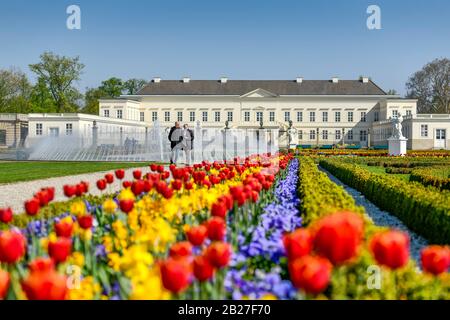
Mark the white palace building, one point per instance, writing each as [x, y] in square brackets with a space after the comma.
[323, 112]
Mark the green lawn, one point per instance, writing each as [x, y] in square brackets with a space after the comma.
[14, 171]
[382, 170]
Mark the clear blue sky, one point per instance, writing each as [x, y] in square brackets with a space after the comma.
[242, 39]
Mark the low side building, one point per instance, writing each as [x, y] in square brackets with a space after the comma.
[13, 130]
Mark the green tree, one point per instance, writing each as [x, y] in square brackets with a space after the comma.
[59, 74]
[91, 97]
[41, 98]
[431, 86]
[112, 88]
[392, 92]
[15, 91]
[132, 86]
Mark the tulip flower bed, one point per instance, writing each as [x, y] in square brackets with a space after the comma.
[153, 240]
[424, 210]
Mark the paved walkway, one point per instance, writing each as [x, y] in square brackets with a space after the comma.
[13, 195]
[383, 218]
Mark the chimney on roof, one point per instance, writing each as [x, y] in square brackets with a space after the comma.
[335, 79]
[223, 80]
[156, 79]
[299, 79]
[364, 79]
[186, 79]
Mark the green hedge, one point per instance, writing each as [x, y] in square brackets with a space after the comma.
[437, 177]
[423, 210]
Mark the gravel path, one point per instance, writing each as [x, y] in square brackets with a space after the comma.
[383, 218]
[14, 194]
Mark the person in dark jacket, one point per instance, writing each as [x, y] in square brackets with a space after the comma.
[175, 138]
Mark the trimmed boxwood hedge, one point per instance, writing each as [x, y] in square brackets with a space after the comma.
[424, 210]
[430, 177]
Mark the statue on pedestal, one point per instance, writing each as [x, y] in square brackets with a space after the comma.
[292, 136]
[397, 127]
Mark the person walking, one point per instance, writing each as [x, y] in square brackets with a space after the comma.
[188, 142]
[175, 138]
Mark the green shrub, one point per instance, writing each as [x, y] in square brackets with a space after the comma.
[423, 210]
[437, 177]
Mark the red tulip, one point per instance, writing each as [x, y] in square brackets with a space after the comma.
[69, 190]
[109, 177]
[47, 285]
[6, 215]
[137, 187]
[160, 168]
[43, 196]
[203, 269]
[219, 254]
[137, 174]
[126, 205]
[167, 193]
[84, 186]
[85, 221]
[120, 174]
[390, 248]
[219, 209]
[60, 249]
[51, 192]
[197, 235]
[41, 265]
[177, 184]
[4, 283]
[64, 228]
[153, 167]
[12, 246]
[175, 274]
[216, 228]
[188, 185]
[101, 184]
[126, 184]
[32, 206]
[312, 274]
[80, 189]
[181, 249]
[435, 259]
[298, 243]
[338, 236]
[148, 185]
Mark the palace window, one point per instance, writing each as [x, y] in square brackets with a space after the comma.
[299, 116]
[180, 115]
[424, 130]
[350, 134]
[337, 116]
[312, 134]
[217, 116]
[325, 116]
[230, 116]
[119, 114]
[287, 116]
[142, 116]
[69, 129]
[376, 116]
[300, 134]
[192, 116]
[394, 114]
[363, 116]
[39, 129]
[324, 134]
[154, 116]
[246, 116]
[259, 116]
[205, 116]
[272, 116]
[408, 113]
[106, 113]
[312, 116]
[363, 135]
[167, 116]
[338, 134]
[350, 116]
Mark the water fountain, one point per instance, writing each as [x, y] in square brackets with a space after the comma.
[153, 145]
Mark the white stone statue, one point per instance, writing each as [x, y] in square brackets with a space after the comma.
[293, 137]
[397, 127]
